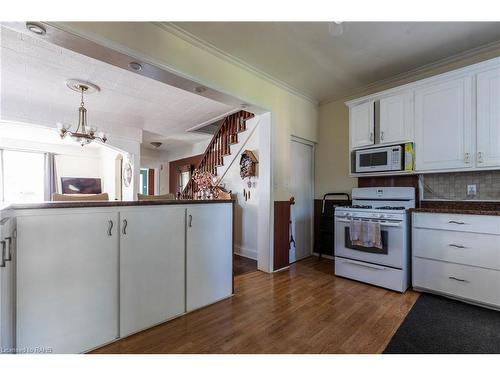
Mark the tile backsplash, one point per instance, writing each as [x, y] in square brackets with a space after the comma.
[453, 186]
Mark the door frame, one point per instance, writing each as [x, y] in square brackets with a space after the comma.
[312, 144]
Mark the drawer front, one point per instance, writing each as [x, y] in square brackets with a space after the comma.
[385, 277]
[462, 223]
[472, 283]
[474, 249]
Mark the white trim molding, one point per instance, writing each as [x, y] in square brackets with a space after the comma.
[203, 44]
[245, 252]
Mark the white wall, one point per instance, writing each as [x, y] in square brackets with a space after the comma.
[79, 166]
[245, 212]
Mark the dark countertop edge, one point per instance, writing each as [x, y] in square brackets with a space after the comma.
[460, 207]
[456, 211]
[85, 204]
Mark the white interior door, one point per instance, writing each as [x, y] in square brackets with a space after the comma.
[301, 186]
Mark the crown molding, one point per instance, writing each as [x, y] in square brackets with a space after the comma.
[462, 59]
[200, 43]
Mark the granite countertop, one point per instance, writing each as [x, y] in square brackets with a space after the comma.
[84, 204]
[459, 207]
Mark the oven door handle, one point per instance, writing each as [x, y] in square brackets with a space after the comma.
[365, 265]
[385, 224]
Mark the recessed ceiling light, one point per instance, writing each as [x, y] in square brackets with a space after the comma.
[135, 66]
[36, 28]
[156, 144]
[335, 28]
[200, 89]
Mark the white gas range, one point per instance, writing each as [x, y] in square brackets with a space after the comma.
[386, 265]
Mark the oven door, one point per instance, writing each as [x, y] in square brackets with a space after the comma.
[394, 243]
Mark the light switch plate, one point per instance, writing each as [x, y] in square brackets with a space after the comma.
[471, 189]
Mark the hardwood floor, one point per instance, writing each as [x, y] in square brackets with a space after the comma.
[242, 265]
[305, 309]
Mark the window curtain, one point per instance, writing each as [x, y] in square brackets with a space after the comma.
[50, 176]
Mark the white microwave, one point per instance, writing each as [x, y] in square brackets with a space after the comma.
[379, 159]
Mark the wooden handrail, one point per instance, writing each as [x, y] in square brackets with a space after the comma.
[225, 135]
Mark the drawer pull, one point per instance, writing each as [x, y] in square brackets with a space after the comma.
[456, 222]
[457, 279]
[457, 246]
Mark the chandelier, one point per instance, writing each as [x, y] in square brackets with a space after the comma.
[84, 134]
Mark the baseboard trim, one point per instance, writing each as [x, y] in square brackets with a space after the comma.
[324, 256]
[245, 252]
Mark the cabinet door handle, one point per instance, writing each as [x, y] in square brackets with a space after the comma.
[479, 157]
[8, 257]
[457, 279]
[381, 135]
[467, 157]
[456, 222]
[110, 227]
[371, 136]
[457, 246]
[2, 260]
[125, 223]
[190, 221]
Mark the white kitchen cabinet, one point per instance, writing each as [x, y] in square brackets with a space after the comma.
[396, 118]
[443, 125]
[67, 280]
[362, 124]
[488, 118]
[152, 266]
[7, 292]
[209, 254]
[458, 256]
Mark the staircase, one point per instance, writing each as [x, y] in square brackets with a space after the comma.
[220, 146]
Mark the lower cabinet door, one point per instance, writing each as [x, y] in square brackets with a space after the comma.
[67, 281]
[152, 266]
[209, 252]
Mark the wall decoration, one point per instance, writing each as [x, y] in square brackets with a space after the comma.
[127, 174]
[248, 163]
[80, 185]
[248, 169]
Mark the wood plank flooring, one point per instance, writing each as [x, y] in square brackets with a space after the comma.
[305, 309]
[242, 265]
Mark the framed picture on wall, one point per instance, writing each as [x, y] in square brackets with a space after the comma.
[81, 185]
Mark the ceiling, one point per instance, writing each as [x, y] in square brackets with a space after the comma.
[33, 75]
[307, 58]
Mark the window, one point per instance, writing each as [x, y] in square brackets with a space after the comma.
[22, 176]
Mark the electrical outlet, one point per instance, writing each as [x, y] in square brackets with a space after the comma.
[471, 189]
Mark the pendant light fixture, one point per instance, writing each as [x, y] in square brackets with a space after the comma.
[84, 134]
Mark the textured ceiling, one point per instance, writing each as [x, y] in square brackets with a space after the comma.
[33, 74]
[306, 57]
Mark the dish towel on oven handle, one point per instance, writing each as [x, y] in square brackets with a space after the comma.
[365, 233]
[355, 228]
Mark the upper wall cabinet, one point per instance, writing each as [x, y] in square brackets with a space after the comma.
[362, 124]
[395, 118]
[488, 118]
[443, 125]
